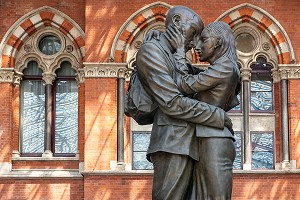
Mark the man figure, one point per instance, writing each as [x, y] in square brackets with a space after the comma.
[173, 145]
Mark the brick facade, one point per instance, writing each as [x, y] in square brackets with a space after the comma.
[88, 176]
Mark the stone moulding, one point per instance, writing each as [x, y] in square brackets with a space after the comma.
[121, 70]
[105, 70]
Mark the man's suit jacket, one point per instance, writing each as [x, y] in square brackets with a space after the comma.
[216, 86]
[174, 122]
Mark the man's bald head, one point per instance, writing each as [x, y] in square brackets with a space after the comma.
[186, 14]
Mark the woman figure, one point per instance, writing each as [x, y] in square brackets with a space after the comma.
[218, 85]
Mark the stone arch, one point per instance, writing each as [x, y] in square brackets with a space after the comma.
[27, 25]
[248, 13]
[137, 22]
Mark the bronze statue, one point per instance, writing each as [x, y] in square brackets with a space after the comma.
[174, 147]
[218, 85]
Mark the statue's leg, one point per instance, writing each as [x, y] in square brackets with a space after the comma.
[216, 159]
[172, 175]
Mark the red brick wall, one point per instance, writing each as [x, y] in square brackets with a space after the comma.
[5, 122]
[266, 186]
[101, 20]
[294, 117]
[33, 189]
[100, 123]
[106, 17]
[111, 187]
[245, 186]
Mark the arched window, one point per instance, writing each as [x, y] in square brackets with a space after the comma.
[64, 112]
[254, 118]
[48, 95]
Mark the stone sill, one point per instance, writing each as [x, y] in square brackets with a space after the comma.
[117, 172]
[297, 171]
[33, 174]
[45, 159]
[74, 174]
[150, 172]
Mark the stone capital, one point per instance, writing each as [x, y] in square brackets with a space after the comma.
[246, 74]
[48, 77]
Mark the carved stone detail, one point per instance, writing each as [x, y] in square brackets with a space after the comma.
[48, 77]
[6, 75]
[246, 74]
[17, 78]
[28, 47]
[79, 76]
[69, 48]
[286, 71]
[104, 70]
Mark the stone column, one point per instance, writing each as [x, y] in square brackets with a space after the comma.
[48, 78]
[245, 75]
[120, 121]
[284, 117]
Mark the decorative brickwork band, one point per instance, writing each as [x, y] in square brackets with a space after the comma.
[136, 23]
[265, 23]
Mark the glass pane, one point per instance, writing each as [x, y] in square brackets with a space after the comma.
[140, 161]
[141, 141]
[66, 117]
[32, 115]
[245, 42]
[261, 95]
[262, 141]
[49, 45]
[65, 69]
[237, 164]
[262, 150]
[32, 69]
[238, 141]
[262, 160]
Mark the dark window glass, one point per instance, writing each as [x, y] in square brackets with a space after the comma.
[49, 45]
[261, 86]
[245, 42]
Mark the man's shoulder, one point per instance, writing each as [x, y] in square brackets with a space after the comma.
[152, 44]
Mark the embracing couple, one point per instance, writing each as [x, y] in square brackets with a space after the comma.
[191, 145]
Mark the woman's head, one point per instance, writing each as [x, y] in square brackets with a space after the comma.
[216, 41]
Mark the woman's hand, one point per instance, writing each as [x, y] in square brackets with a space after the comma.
[175, 38]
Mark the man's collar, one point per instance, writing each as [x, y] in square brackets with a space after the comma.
[166, 44]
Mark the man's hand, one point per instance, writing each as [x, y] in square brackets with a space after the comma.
[228, 123]
[175, 38]
[152, 34]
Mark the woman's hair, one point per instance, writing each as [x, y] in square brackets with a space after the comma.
[223, 31]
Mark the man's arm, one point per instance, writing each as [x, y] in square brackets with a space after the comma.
[156, 78]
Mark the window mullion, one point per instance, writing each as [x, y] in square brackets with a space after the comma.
[48, 120]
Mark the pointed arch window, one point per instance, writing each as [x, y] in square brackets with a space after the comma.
[64, 112]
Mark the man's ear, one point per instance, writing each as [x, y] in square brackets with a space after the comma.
[176, 19]
[218, 41]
